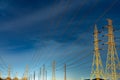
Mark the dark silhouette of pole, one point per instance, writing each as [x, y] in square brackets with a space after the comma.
[64, 71]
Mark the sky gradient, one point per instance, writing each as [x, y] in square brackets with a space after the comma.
[36, 32]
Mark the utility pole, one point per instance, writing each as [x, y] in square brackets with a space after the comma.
[26, 73]
[112, 63]
[44, 72]
[64, 71]
[53, 70]
[39, 75]
[31, 77]
[97, 67]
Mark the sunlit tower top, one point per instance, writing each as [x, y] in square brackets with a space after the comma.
[97, 67]
[112, 63]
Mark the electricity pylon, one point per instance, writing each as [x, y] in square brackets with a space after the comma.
[44, 72]
[9, 77]
[97, 67]
[26, 73]
[64, 71]
[9, 71]
[34, 75]
[46, 75]
[39, 75]
[53, 70]
[112, 63]
[31, 77]
[16, 76]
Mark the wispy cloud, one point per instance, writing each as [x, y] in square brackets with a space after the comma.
[37, 16]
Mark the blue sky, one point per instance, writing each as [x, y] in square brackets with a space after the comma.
[36, 32]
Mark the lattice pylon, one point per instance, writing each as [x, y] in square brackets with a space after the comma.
[112, 63]
[44, 72]
[39, 74]
[97, 67]
[26, 73]
[9, 70]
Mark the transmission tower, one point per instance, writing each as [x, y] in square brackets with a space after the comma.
[39, 75]
[8, 78]
[53, 70]
[112, 63]
[97, 67]
[31, 76]
[64, 71]
[46, 75]
[34, 75]
[26, 73]
[9, 71]
[44, 72]
[16, 76]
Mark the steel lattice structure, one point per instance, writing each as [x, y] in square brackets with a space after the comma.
[97, 67]
[112, 63]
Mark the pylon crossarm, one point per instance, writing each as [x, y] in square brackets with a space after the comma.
[97, 67]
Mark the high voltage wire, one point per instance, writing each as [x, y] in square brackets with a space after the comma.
[57, 26]
[36, 54]
[51, 13]
[80, 65]
[4, 63]
[51, 20]
[79, 24]
[109, 7]
[76, 61]
[73, 57]
[74, 64]
[104, 13]
[92, 6]
[65, 9]
[3, 66]
[72, 18]
[82, 58]
[79, 68]
[35, 57]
